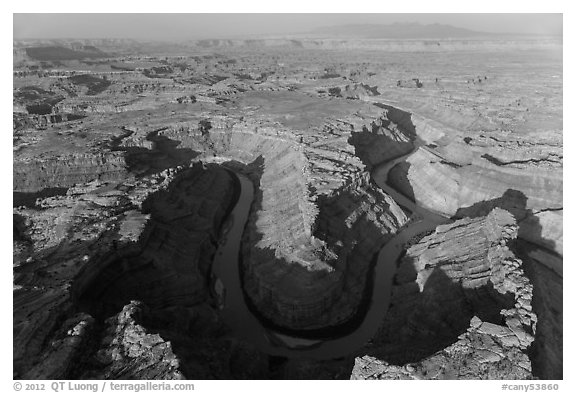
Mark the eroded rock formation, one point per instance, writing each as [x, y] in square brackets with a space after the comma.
[161, 257]
[36, 173]
[461, 308]
[468, 182]
[306, 252]
[119, 209]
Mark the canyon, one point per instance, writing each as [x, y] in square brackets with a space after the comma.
[281, 209]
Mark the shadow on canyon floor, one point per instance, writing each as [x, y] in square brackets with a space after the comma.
[140, 161]
[180, 304]
[546, 352]
[41, 301]
[148, 267]
[169, 272]
[282, 367]
[42, 274]
[398, 180]
[379, 144]
[28, 199]
[19, 229]
[164, 154]
[400, 117]
[330, 268]
[515, 202]
[421, 323]
[418, 323]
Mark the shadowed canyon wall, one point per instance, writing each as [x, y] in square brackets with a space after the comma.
[121, 266]
[306, 262]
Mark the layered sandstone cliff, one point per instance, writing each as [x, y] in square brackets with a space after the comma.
[93, 251]
[37, 173]
[469, 301]
[470, 176]
[317, 220]
[462, 307]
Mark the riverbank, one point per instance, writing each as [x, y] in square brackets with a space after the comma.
[333, 341]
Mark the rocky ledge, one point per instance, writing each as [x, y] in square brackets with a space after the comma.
[462, 307]
[81, 258]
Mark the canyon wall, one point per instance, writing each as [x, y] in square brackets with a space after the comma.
[71, 274]
[461, 308]
[306, 254]
[119, 208]
[470, 176]
[37, 173]
[461, 176]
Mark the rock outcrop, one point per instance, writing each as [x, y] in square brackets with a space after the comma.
[298, 274]
[548, 348]
[128, 351]
[66, 170]
[527, 178]
[121, 197]
[53, 242]
[172, 264]
[93, 250]
[461, 308]
[352, 92]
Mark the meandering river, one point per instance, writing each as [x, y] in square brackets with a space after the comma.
[235, 312]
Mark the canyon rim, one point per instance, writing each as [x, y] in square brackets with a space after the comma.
[334, 205]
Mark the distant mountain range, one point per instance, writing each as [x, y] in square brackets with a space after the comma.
[398, 31]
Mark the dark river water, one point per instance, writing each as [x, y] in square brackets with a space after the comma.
[235, 311]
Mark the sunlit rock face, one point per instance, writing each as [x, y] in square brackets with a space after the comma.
[521, 173]
[469, 177]
[65, 171]
[351, 227]
[461, 308]
[309, 226]
[109, 252]
[122, 192]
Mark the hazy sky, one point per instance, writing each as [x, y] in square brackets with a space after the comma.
[191, 26]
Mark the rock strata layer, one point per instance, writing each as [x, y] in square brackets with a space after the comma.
[68, 263]
[317, 220]
[118, 206]
[461, 308]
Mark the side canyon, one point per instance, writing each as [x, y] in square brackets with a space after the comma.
[388, 233]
